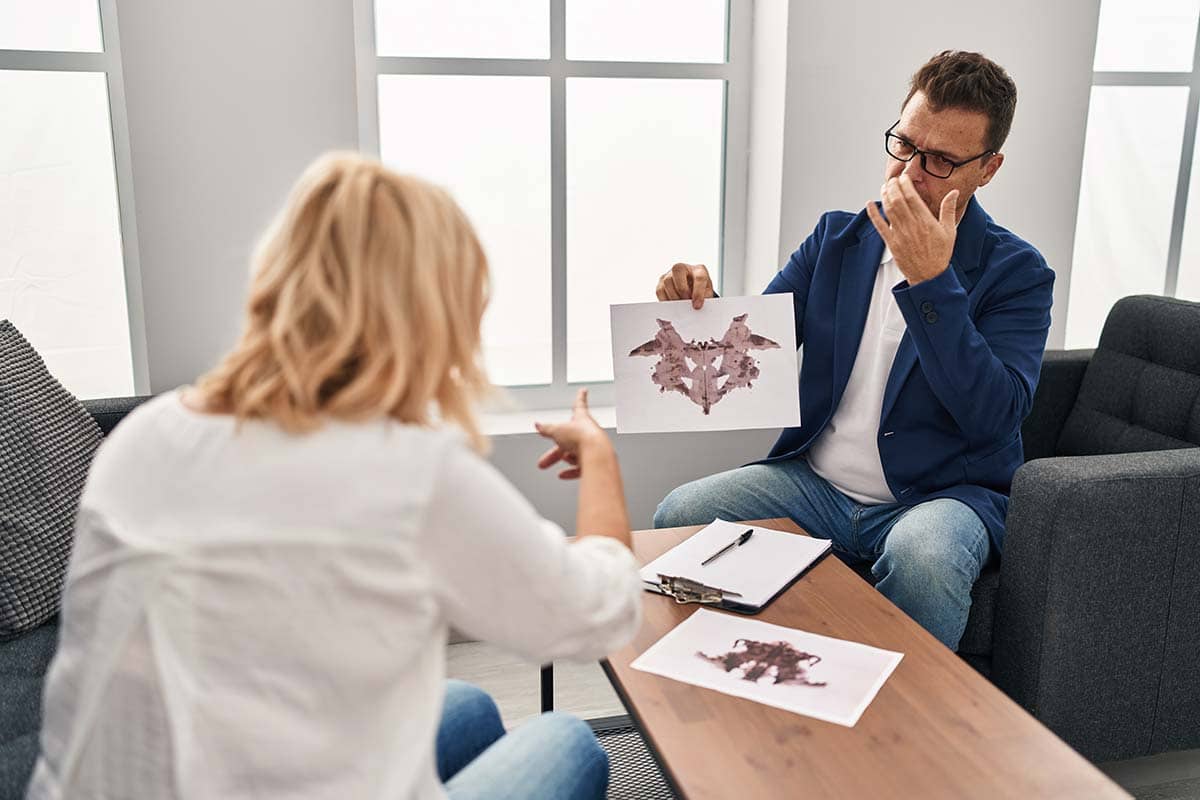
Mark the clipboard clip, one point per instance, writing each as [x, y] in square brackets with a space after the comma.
[686, 590]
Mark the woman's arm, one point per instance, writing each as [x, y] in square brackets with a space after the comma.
[505, 575]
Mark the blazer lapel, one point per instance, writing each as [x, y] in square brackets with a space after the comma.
[965, 261]
[906, 359]
[860, 263]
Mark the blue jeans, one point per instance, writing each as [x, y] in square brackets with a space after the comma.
[553, 757]
[925, 557]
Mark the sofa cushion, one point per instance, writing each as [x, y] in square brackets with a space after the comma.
[23, 664]
[47, 440]
[1141, 390]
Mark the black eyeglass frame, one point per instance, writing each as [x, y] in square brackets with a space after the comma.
[888, 136]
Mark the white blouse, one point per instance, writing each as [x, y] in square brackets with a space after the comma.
[253, 614]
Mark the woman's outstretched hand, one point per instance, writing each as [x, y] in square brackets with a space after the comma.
[571, 438]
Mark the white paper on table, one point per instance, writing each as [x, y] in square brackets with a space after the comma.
[756, 570]
[772, 398]
[852, 673]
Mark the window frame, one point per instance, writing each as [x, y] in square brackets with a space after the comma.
[734, 72]
[1190, 79]
[107, 61]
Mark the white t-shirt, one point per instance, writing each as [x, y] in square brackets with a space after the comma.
[847, 452]
[253, 614]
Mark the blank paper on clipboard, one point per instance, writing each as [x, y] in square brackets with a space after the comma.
[757, 570]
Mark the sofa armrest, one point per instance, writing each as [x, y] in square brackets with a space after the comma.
[1061, 376]
[1095, 628]
[108, 411]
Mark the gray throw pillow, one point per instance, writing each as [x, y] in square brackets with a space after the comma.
[47, 440]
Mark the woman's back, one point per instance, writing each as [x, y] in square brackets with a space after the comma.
[253, 613]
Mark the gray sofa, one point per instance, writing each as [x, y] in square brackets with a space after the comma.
[1090, 620]
[23, 661]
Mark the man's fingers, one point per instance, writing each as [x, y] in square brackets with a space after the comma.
[666, 289]
[581, 403]
[896, 204]
[912, 199]
[570, 474]
[700, 286]
[878, 221]
[681, 276]
[887, 202]
[949, 209]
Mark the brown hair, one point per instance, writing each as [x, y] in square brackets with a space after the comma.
[969, 81]
[365, 303]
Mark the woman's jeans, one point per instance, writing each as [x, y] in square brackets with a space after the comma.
[926, 557]
[553, 757]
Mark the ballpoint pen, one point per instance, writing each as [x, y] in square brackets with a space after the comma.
[738, 542]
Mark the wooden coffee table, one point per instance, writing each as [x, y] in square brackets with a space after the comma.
[936, 729]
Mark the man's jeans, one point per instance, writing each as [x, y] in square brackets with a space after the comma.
[553, 757]
[925, 557]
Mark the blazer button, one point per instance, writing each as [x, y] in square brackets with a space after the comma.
[926, 307]
[931, 317]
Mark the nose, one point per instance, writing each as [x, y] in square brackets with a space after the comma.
[913, 170]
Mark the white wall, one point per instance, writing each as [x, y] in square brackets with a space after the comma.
[849, 65]
[227, 102]
[768, 85]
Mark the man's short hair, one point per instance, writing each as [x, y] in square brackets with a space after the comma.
[969, 81]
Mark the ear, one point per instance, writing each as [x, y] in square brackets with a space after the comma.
[991, 167]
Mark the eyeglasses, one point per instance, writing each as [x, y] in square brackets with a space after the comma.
[936, 165]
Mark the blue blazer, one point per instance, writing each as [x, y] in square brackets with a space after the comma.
[965, 371]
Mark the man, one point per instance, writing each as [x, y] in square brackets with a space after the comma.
[923, 324]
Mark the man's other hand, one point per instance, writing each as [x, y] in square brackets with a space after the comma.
[685, 282]
[921, 243]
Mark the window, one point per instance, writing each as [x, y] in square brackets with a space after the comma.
[1136, 231]
[68, 265]
[593, 143]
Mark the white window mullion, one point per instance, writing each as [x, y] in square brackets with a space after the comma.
[558, 192]
[737, 153]
[122, 160]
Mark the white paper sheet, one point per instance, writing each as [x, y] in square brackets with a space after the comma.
[756, 570]
[835, 679]
[730, 365]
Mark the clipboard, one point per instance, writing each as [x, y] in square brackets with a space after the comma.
[746, 579]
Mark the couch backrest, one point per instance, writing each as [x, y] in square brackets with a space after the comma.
[1141, 390]
[108, 411]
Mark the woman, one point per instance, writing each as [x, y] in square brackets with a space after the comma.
[267, 563]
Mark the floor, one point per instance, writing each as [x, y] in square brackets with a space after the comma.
[584, 690]
[581, 689]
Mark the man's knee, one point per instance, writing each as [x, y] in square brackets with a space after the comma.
[752, 492]
[937, 540]
[683, 505]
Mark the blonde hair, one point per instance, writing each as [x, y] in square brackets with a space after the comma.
[366, 300]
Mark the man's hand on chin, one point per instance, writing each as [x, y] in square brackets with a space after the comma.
[920, 243]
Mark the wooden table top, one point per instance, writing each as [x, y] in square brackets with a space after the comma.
[936, 729]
